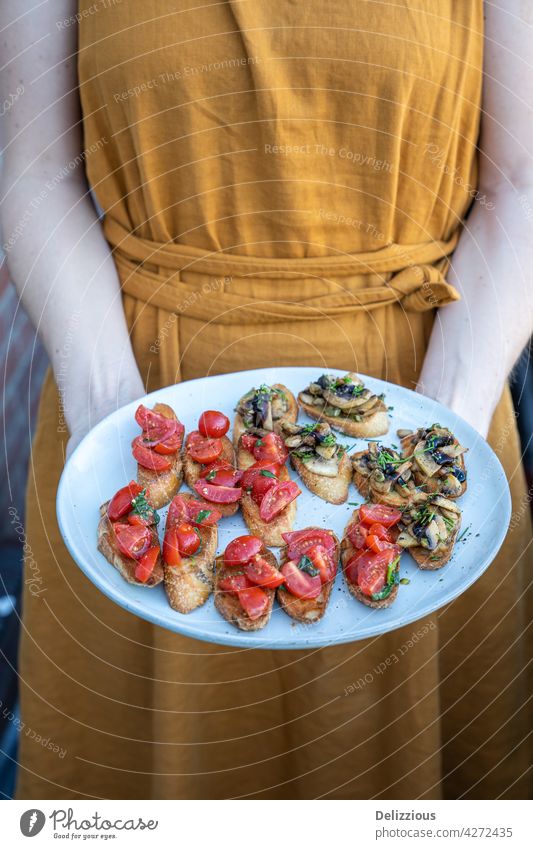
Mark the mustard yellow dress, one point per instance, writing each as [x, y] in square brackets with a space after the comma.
[282, 184]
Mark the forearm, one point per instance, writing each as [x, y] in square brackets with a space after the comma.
[62, 267]
[476, 341]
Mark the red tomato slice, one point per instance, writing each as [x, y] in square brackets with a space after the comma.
[369, 570]
[357, 534]
[248, 442]
[299, 583]
[261, 485]
[277, 498]
[120, 504]
[234, 584]
[146, 564]
[202, 514]
[188, 539]
[257, 469]
[218, 494]
[380, 531]
[178, 511]
[224, 477]
[371, 513]
[203, 450]
[376, 544]
[133, 540]
[270, 447]
[171, 552]
[299, 542]
[148, 458]
[214, 467]
[260, 572]
[149, 419]
[321, 560]
[213, 424]
[242, 550]
[173, 443]
[254, 601]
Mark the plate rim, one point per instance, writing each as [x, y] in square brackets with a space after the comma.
[235, 637]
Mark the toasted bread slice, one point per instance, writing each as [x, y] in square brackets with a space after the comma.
[229, 606]
[125, 565]
[190, 584]
[333, 490]
[433, 560]
[375, 425]
[162, 486]
[306, 610]
[290, 416]
[192, 471]
[269, 532]
[347, 552]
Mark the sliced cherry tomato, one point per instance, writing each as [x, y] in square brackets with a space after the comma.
[261, 485]
[148, 458]
[371, 513]
[264, 468]
[149, 419]
[178, 511]
[146, 564]
[201, 449]
[120, 504]
[213, 424]
[248, 442]
[173, 443]
[215, 467]
[369, 570]
[146, 520]
[132, 540]
[188, 539]
[270, 447]
[357, 534]
[234, 584]
[321, 560]
[224, 477]
[299, 583]
[260, 572]
[277, 498]
[299, 542]
[171, 548]
[376, 544]
[218, 494]
[242, 550]
[380, 531]
[202, 514]
[254, 601]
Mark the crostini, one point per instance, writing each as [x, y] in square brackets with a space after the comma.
[158, 452]
[429, 531]
[437, 458]
[382, 475]
[346, 404]
[370, 555]
[189, 551]
[263, 410]
[319, 459]
[268, 501]
[209, 465]
[245, 583]
[309, 563]
[127, 536]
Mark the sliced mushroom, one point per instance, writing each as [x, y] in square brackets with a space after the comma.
[321, 466]
[293, 441]
[326, 451]
[431, 536]
[344, 403]
[407, 540]
[290, 427]
[451, 486]
[424, 461]
[452, 450]
[403, 433]
[445, 504]
[306, 398]
[314, 389]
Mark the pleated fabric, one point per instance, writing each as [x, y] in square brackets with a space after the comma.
[283, 184]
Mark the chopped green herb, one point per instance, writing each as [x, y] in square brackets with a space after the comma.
[405, 581]
[463, 533]
[203, 514]
[266, 474]
[142, 508]
[306, 565]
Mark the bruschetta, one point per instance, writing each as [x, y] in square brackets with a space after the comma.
[209, 468]
[268, 501]
[346, 404]
[158, 452]
[319, 459]
[309, 563]
[263, 410]
[370, 555]
[127, 536]
[189, 551]
[382, 475]
[437, 459]
[245, 583]
[429, 531]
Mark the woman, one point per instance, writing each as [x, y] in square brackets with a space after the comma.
[282, 184]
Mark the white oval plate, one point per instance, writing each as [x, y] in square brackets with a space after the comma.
[103, 463]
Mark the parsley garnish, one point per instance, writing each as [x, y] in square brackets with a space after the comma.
[306, 565]
[203, 514]
[142, 508]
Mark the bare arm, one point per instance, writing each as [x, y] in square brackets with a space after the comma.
[57, 255]
[476, 341]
